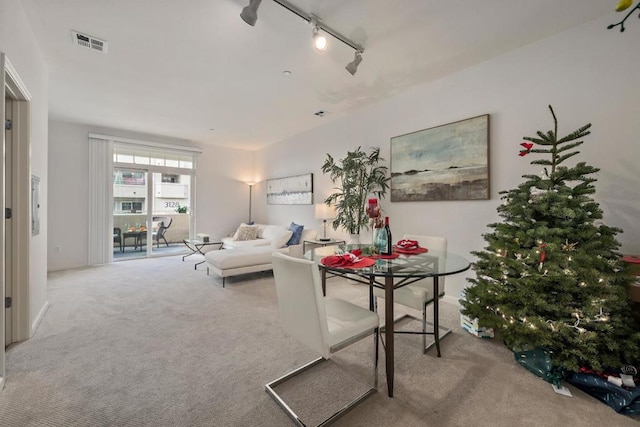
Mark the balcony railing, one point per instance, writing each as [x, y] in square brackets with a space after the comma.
[177, 232]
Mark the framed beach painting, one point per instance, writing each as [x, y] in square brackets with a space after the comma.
[447, 162]
[292, 190]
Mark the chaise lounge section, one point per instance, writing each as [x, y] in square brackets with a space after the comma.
[249, 251]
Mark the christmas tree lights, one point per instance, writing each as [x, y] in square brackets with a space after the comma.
[550, 275]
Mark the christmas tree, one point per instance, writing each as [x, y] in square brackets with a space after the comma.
[550, 276]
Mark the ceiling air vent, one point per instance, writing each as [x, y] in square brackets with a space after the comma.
[89, 42]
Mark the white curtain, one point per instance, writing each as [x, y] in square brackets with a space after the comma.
[100, 201]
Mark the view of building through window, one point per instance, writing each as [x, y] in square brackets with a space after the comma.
[130, 192]
[149, 186]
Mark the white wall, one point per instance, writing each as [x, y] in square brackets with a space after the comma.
[68, 193]
[222, 193]
[222, 196]
[18, 43]
[587, 74]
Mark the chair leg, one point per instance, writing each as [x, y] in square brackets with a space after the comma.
[438, 333]
[424, 332]
[376, 338]
[269, 388]
[436, 330]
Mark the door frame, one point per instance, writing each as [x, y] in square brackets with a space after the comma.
[13, 87]
[150, 170]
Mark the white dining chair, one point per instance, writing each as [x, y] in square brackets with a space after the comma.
[419, 295]
[325, 325]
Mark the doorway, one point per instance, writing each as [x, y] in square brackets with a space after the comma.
[150, 212]
[8, 206]
[15, 191]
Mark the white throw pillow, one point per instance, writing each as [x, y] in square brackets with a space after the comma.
[261, 228]
[245, 232]
[278, 235]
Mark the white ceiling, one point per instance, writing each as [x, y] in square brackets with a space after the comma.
[182, 68]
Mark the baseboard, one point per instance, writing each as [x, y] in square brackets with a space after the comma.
[39, 318]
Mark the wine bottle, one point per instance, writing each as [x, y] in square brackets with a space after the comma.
[389, 245]
[381, 240]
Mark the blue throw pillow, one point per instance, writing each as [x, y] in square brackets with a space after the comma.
[297, 233]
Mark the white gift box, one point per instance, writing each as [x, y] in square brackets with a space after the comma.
[472, 326]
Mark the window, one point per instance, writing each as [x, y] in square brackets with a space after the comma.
[156, 156]
[131, 206]
[170, 178]
[128, 178]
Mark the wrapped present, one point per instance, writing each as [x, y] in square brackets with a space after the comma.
[472, 326]
[540, 362]
[624, 400]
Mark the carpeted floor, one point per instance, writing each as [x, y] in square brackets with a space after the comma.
[157, 343]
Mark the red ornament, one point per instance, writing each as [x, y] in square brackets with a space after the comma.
[543, 255]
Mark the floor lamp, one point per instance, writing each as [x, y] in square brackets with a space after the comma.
[325, 212]
[250, 184]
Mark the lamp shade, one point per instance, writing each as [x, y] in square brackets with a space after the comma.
[324, 211]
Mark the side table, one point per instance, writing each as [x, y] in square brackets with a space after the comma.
[195, 246]
[320, 243]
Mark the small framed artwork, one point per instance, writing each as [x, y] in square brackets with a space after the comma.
[447, 162]
[292, 190]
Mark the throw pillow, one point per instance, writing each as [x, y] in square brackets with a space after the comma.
[235, 233]
[277, 234]
[297, 233]
[245, 232]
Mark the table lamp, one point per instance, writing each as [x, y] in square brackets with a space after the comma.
[325, 212]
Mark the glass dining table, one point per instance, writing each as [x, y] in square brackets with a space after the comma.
[389, 273]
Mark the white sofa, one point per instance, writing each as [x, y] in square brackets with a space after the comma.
[254, 254]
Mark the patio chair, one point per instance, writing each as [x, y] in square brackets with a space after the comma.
[163, 224]
[117, 237]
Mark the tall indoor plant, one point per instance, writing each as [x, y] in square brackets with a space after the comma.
[359, 176]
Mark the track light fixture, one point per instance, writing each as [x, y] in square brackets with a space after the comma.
[250, 13]
[250, 16]
[320, 42]
[352, 66]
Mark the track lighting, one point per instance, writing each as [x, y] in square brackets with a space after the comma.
[352, 66]
[320, 42]
[250, 13]
[250, 16]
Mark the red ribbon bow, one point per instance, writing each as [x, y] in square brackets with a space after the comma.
[527, 148]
